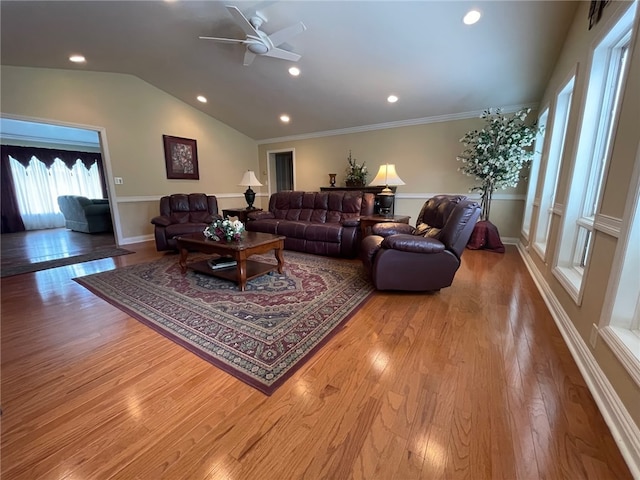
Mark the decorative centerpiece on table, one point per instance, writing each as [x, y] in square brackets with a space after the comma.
[494, 156]
[356, 173]
[224, 229]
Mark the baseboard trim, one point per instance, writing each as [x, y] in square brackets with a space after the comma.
[623, 429]
[139, 239]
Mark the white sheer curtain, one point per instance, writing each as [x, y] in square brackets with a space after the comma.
[38, 188]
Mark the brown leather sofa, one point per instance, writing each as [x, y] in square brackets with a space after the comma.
[425, 257]
[322, 223]
[180, 214]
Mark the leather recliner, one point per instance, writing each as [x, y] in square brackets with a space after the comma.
[181, 214]
[426, 257]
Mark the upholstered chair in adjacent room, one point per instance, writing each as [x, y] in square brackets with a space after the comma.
[87, 215]
[181, 214]
[426, 257]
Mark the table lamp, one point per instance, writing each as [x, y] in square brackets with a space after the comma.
[249, 180]
[386, 176]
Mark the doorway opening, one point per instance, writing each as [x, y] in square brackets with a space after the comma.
[281, 171]
[27, 132]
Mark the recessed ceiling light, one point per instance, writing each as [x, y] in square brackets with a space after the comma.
[392, 99]
[284, 118]
[471, 17]
[77, 59]
[294, 71]
[202, 99]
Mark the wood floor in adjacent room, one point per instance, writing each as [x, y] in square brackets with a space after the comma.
[472, 382]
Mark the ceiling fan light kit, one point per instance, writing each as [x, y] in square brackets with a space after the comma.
[258, 42]
[257, 48]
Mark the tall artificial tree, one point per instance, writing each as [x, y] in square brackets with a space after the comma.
[495, 154]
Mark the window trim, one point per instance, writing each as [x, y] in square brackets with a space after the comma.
[624, 342]
[545, 207]
[534, 173]
[600, 57]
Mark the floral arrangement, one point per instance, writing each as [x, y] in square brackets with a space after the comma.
[356, 172]
[224, 228]
[495, 155]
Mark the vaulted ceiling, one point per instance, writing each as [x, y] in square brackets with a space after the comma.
[354, 54]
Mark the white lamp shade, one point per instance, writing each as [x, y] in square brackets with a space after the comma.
[249, 180]
[387, 176]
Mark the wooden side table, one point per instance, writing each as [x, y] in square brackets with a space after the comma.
[370, 220]
[241, 213]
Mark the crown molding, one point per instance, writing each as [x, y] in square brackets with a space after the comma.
[398, 124]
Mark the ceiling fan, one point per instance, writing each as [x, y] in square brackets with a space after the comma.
[258, 42]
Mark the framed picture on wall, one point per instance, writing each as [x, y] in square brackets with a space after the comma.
[595, 11]
[181, 158]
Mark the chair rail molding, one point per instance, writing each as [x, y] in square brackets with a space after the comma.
[156, 198]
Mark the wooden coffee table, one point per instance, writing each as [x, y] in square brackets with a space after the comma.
[251, 243]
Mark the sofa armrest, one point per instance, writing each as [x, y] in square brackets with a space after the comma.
[413, 243]
[260, 215]
[390, 228]
[161, 221]
[100, 201]
[351, 222]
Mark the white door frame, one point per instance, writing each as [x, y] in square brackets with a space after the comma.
[106, 162]
[271, 159]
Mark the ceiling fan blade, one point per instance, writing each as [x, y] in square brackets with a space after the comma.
[223, 40]
[283, 54]
[281, 36]
[248, 58]
[242, 21]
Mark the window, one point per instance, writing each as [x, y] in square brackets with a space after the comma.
[38, 187]
[620, 321]
[552, 170]
[603, 97]
[533, 172]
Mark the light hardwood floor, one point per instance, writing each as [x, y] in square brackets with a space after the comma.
[43, 245]
[472, 382]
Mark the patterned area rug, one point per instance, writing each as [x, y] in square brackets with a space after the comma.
[261, 335]
[11, 270]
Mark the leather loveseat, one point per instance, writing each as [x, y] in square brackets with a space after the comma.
[181, 214]
[82, 214]
[322, 223]
[425, 257]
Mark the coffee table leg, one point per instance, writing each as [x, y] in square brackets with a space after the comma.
[279, 258]
[242, 274]
[183, 260]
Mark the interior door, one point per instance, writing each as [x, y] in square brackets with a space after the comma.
[284, 171]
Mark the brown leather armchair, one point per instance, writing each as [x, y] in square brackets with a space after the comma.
[181, 214]
[425, 257]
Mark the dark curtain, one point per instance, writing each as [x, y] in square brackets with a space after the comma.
[49, 155]
[11, 219]
[284, 171]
